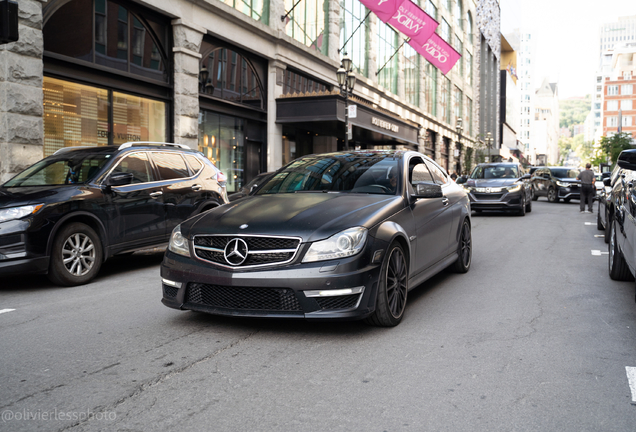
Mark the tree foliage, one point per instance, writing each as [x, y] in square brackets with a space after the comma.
[573, 111]
[612, 146]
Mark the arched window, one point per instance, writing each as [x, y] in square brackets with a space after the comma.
[469, 28]
[109, 34]
[229, 75]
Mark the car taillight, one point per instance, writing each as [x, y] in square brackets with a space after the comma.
[220, 177]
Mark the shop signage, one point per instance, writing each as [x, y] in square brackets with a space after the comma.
[385, 125]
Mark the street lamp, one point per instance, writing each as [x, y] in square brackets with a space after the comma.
[346, 81]
[205, 84]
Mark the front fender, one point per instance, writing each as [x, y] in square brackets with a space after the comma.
[389, 231]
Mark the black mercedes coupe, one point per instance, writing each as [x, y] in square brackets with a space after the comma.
[340, 236]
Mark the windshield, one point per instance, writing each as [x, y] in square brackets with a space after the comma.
[371, 173]
[495, 172]
[62, 170]
[565, 172]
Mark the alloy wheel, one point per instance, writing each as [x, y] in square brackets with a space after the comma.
[78, 254]
[465, 246]
[396, 283]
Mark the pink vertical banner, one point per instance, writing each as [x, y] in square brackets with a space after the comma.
[437, 52]
[413, 22]
[384, 9]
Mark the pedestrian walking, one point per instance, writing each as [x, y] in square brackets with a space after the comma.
[587, 189]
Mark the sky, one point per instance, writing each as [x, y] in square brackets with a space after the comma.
[566, 37]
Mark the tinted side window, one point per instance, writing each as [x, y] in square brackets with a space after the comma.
[137, 164]
[420, 174]
[438, 175]
[170, 165]
[194, 162]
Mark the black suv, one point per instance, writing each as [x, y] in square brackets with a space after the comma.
[556, 183]
[620, 216]
[67, 213]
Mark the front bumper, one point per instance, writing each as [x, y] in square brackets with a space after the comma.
[573, 192]
[338, 289]
[17, 254]
[502, 201]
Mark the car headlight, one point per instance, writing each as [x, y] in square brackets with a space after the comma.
[344, 244]
[19, 212]
[469, 188]
[562, 184]
[178, 243]
[514, 188]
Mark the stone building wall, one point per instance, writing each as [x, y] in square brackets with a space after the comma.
[21, 98]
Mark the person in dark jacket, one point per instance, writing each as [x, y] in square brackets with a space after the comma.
[587, 189]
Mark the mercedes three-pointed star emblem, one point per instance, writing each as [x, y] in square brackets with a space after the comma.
[236, 251]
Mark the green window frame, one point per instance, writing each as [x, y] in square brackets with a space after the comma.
[445, 100]
[257, 9]
[352, 12]
[307, 23]
[430, 89]
[411, 75]
[387, 44]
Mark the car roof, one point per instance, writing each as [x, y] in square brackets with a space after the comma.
[139, 145]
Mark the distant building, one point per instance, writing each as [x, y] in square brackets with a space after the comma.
[525, 67]
[578, 129]
[565, 132]
[545, 128]
[619, 98]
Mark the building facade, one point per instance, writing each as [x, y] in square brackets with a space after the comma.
[545, 127]
[619, 92]
[251, 85]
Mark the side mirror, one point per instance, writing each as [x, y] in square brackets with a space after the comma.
[253, 188]
[119, 179]
[428, 190]
[461, 180]
[607, 181]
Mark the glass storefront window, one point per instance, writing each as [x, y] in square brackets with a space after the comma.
[307, 23]
[138, 119]
[78, 115]
[221, 139]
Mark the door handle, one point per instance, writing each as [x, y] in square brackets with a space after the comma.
[445, 201]
[196, 187]
[156, 194]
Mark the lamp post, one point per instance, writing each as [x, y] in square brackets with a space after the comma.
[489, 140]
[346, 81]
[459, 126]
[205, 84]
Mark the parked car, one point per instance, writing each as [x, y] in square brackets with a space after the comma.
[340, 236]
[250, 187]
[499, 186]
[621, 218]
[556, 183]
[66, 214]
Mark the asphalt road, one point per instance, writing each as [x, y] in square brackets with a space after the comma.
[536, 337]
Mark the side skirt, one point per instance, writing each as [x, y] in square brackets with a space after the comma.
[432, 271]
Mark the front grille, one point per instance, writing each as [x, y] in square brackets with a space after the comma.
[169, 291]
[488, 197]
[261, 250]
[338, 302]
[243, 298]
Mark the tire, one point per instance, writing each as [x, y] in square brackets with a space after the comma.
[464, 250]
[608, 222]
[599, 224]
[552, 195]
[522, 209]
[392, 289]
[81, 247]
[534, 195]
[529, 206]
[618, 269]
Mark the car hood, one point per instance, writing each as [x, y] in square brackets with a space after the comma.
[19, 196]
[312, 216]
[568, 179]
[489, 183]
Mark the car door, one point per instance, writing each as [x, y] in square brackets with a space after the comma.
[180, 190]
[432, 218]
[136, 210]
[629, 219]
